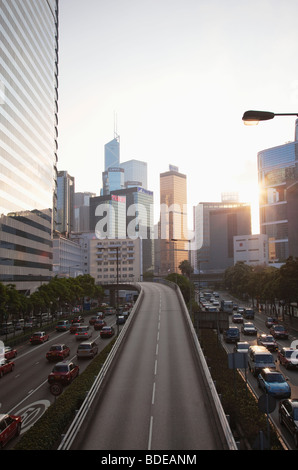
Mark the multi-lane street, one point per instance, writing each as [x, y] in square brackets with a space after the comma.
[291, 375]
[26, 391]
[155, 398]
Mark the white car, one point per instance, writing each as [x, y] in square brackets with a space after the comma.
[241, 347]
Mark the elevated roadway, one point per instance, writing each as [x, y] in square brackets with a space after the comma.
[156, 396]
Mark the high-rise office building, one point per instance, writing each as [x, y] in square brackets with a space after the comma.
[65, 203]
[113, 175]
[173, 233]
[278, 181]
[112, 179]
[28, 118]
[81, 211]
[215, 225]
[135, 173]
[112, 153]
[129, 174]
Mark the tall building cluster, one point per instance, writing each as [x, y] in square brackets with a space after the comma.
[48, 229]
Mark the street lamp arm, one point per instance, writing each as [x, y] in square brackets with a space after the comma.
[253, 117]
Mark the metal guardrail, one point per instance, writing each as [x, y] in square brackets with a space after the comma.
[75, 426]
[227, 435]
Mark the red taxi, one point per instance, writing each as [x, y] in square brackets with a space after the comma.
[5, 366]
[10, 353]
[64, 372]
[39, 337]
[57, 352]
[10, 426]
[73, 328]
[107, 332]
[99, 324]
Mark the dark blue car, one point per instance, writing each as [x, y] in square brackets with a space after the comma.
[232, 335]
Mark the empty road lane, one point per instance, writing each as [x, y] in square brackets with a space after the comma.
[155, 398]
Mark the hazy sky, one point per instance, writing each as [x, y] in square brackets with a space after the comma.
[178, 74]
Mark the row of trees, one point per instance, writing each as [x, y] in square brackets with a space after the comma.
[265, 285]
[57, 295]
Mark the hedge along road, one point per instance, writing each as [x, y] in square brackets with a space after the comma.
[26, 391]
[154, 398]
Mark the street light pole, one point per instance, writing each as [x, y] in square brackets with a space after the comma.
[251, 118]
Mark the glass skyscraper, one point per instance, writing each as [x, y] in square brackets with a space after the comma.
[112, 153]
[65, 202]
[278, 181]
[28, 120]
[173, 221]
[135, 173]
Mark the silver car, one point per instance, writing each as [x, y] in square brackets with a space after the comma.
[87, 349]
[83, 332]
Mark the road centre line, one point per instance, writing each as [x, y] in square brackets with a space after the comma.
[153, 394]
[150, 433]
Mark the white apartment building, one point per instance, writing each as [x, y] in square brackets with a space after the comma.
[105, 255]
[251, 249]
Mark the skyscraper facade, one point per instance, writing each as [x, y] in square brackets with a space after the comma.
[215, 225]
[112, 153]
[278, 182]
[65, 203]
[81, 211]
[112, 179]
[28, 118]
[173, 234]
[135, 173]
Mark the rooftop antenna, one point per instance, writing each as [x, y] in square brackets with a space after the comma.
[116, 135]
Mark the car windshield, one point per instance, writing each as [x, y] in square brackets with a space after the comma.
[264, 358]
[289, 353]
[242, 346]
[84, 346]
[267, 339]
[55, 348]
[295, 414]
[60, 368]
[279, 328]
[278, 378]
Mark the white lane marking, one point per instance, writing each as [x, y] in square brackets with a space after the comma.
[150, 433]
[153, 394]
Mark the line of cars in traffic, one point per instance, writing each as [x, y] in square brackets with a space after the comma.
[262, 364]
[64, 370]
